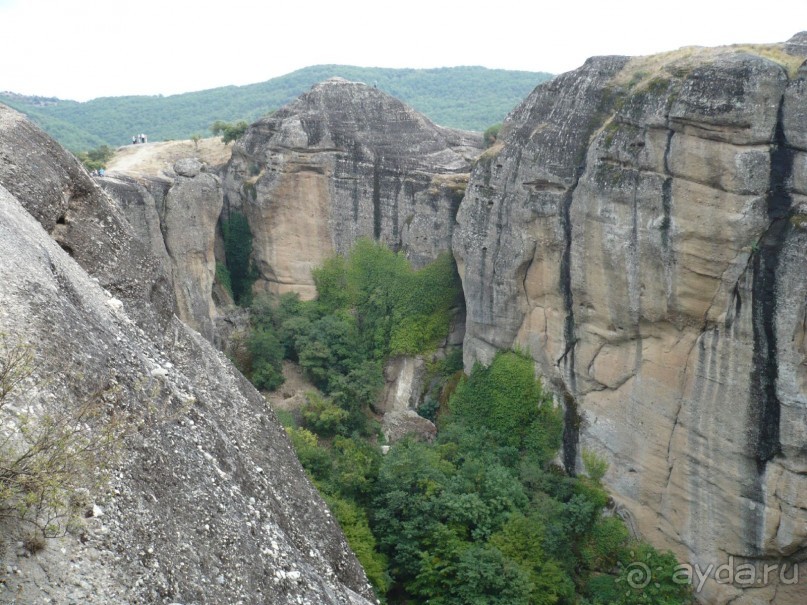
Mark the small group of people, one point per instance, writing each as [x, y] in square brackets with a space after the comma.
[139, 138]
[99, 172]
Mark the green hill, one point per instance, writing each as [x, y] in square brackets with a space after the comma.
[471, 98]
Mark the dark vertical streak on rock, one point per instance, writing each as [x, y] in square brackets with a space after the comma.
[571, 420]
[571, 433]
[395, 204]
[377, 198]
[666, 219]
[355, 157]
[765, 405]
[566, 281]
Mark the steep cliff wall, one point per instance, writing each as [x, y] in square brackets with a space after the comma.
[207, 502]
[341, 162]
[641, 232]
[176, 216]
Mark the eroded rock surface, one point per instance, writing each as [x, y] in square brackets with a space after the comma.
[177, 217]
[54, 188]
[207, 503]
[641, 232]
[341, 162]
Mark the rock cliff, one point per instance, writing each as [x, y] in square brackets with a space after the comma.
[341, 162]
[641, 231]
[207, 502]
[176, 216]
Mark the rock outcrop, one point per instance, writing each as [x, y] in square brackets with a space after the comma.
[207, 502]
[341, 162]
[640, 230]
[177, 217]
[59, 193]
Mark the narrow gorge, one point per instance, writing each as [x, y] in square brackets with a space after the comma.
[638, 230]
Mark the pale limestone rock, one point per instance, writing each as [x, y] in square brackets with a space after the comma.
[178, 219]
[206, 478]
[403, 423]
[404, 378]
[341, 162]
[645, 243]
[192, 209]
[188, 167]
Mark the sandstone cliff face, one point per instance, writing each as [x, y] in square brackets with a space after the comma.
[208, 503]
[341, 162]
[176, 217]
[641, 232]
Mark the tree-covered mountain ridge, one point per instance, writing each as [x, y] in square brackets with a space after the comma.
[469, 98]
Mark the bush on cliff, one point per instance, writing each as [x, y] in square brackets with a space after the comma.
[51, 453]
[229, 132]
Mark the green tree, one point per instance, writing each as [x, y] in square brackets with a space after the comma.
[354, 524]
[229, 132]
[320, 415]
[238, 249]
[491, 134]
[266, 354]
[506, 399]
[96, 158]
[646, 577]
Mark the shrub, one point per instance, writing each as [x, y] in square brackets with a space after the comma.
[97, 158]
[286, 418]
[322, 417]
[48, 458]
[313, 457]
[353, 522]
[332, 285]
[595, 465]
[491, 134]
[266, 353]
[223, 278]
[229, 132]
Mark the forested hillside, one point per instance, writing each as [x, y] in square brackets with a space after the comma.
[471, 98]
[481, 515]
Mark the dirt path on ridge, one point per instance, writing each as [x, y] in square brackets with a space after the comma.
[155, 159]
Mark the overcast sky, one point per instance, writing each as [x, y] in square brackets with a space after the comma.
[82, 49]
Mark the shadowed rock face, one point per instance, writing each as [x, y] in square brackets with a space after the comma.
[641, 232]
[341, 162]
[208, 503]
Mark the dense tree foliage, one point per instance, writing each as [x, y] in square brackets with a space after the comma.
[96, 159]
[481, 516]
[470, 98]
[229, 132]
[241, 273]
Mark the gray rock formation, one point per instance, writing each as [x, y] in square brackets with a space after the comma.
[54, 188]
[207, 502]
[797, 45]
[192, 209]
[177, 218]
[640, 232]
[405, 382]
[341, 162]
